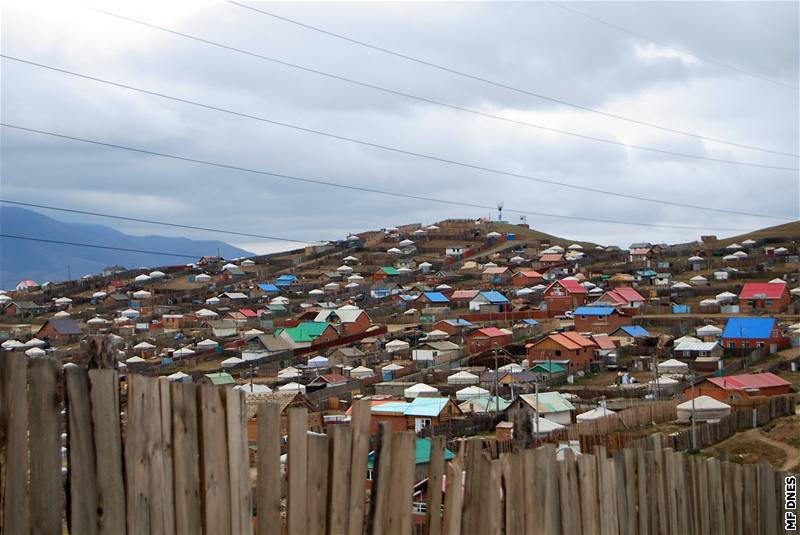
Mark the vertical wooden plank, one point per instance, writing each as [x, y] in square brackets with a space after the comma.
[491, 518]
[716, 511]
[435, 475]
[529, 496]
[661, 510]
[45, 469]
[238, 462]
[681, 492]
[137, 468]
[587, 473]
[317, 484]
[298, 473]
[670, 490]
[631, 482]
[186, 442]
[398, 515]
[82, 488]
[609, 522]
[642, 482]
[269, 469]
[701, 472]
[652, 495]
[621, 490]
[738, 498]
[104, 389]
[360, 423]
[750, 519]
[381, 479]
[514, 494]
[154, 448]
[14, 465]
[339, 479]
[552, 497]
[568, 519]
[471, 506]
[451, 522]
[167, 488]
[768, 500]
[214, 478]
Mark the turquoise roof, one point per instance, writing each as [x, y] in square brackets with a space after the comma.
[423, 453]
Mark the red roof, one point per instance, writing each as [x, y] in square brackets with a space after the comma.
[333, 378]
[578, 339]
[529, 273]
[247, 313]
[629, 294]
[771, 290]
[495, 270]
[490, 332]
[640, 252]
[749, 380]
[604, 341]
[464, 294]
[570, 285]
[551, 258]
[28, 283]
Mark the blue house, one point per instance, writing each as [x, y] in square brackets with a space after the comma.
[435, 298]
[492, 301]
[753, 333]
[268, 288]
[286, 280]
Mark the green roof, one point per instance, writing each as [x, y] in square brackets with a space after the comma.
[423, 453]
[276, 308]
[307, 331]
[221, 378]
[389, 270]
[549, 402]
[549, 367]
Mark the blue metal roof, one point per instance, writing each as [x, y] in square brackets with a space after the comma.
[269, 288]
[635, 330]
[748, 328]
[495, 297]
[426, 406]
[594, 311]
[530, 322]
[436, 297]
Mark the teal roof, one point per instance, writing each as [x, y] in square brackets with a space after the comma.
[423, 453]
[426, 406]
[548, 367]
[489, 404]
[220, 378]
[389, 270]
[307, 331]
[392, 406]
[549, 402]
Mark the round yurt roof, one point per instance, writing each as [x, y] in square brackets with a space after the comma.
[730, 257]
[183, 352]
[35, 352]
[253, 332]
[344, 269]
[663, 381]
[212, 301]
[351, 285]
[575, 247]
[355, 278]
[725, 295]
[546, 426]
[704, 402]
[419, 388]
[680, 285]
[292, 387]
[524, 291]
[98, 295]
[97, 320]
[431, 227]
[472, 392]
[397, 344]
[247, 263]
[517, 259]
[134, 360]
[61, 314]
[331, 286]
[204, 312]
[178, 376]
[35, 342]
[12, 344]
[444, 287]
[420, 232]
[362, 370]
[781, 250]
[202, 277]
[709, 302]
[63, 301]
[404, 270]
[740, 254]
[695, 259]
[698, 278]
[490, 265]
[143, 346]
[425, 265]
[795, 291]
[406, 243]
[594, 414]
[350, 258]
[142, 278]
[318, 362]
[748, 241]
[253, 388]
[142, 294]
[391, 368]
[734, 246]
[706, 330]
[157, 274]
[232, 361]
[280, 300]
[512, 367]
[777, 281]
[394, 250]
[493, 234]
[672, 364]
[463, 378]
[207, 343]
[316, 291]
[4, 298]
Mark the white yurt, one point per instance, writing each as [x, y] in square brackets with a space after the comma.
[517, 260]
[280, 300]
[179, 377]
[230, 362]
[406, 243]
[708, 330]
[575, 247]
[318, 362]
[740, 254]
[252, 333]
[212, 301]
[157, 274]
[463, 378]
[436, 334]
[795, 291]
[344, 269]
[726, 297]
[444, 287]
[431, 227]
[681, 286]
[183, 352]
[706, 409]
[777, 281]
[247, 263]
[494, 235]
[748, 242]
[206, 313]
[202, 278]
[781, 251]
[11, 345]
[142, 278]
[63, 301]
[4, 298]
[391, 368]
[361, 372]
[698, 280]
[524, 291]
[288, 373]
[419, 389]
[99, 295]
[62, 314]
[673, 366]
[316, 291]
[350, 259]
[663, 384]
[142, 294]
[405, 270]
[425, 266]
[394, 250]
[594, 414]
[35, 342]
[730, 258]
[545, 426]
[397, 345]
[355, 278]
[734, 247]
[134, 360]
[292, 387]
[419, 232]
[331, 287]
[35, 352]
[472, 392]
[129, 313]
[512, 368]
[143, 346]
[207, 344]
[97, 320]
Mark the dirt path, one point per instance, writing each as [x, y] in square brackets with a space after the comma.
[792, 453]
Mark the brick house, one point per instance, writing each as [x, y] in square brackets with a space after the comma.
[598, 320]
[770, 296]
[497, 275]
[308, 333]
[569, 345]
[348, 319]
[526, 277]
[60, 331]
[563, 295]
[384, 273]
[487, 338]
[738, 387]
[623, 297]
[452, 327]
[753, 333]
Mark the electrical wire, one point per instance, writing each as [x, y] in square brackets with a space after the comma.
[433, 101]
[349, 186]
[507, 86]
[95, 246]
[395, 149]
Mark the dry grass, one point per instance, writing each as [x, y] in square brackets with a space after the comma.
[776, 443]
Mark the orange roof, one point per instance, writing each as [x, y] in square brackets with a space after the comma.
[495, 270]
[563, 341]
[529, 273]
[578, 339]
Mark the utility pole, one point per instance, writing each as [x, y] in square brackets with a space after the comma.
[496, 385]
[694, 428]
[536, 414]
[655, 379]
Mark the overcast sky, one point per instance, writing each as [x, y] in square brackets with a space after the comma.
[535, 46]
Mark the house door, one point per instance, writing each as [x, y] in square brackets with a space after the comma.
[421, 423]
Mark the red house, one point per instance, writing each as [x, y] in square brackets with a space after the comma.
[569, 345]
[737, 387]
[599, 320]
[526, 277]
[623, 297]
[770, 296]
[563, 295]
[487, 338]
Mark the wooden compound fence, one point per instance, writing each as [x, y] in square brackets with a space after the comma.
[174, 459]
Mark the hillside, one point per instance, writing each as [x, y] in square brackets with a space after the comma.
[786, 232]
[48, 262]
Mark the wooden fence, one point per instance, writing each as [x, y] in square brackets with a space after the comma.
[177, 461]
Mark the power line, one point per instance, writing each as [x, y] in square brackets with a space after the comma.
[350, 186]
[397, 150]
[149, 221]
[429, 100]
[673, 47]
[95, 246]
[509, 87]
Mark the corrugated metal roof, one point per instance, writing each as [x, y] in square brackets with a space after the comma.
[748, 328]
[548, 402]
[426, 406]
[594, 311]
[749, 380]
[770, 290]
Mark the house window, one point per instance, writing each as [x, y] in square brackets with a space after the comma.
[369, 474]
[769, 302]
[759, 344]
[731, 345]
[745, 345]
[583, 317]
[558, 352]
[703, 353]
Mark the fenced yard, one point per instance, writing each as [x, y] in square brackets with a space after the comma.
[175, 459]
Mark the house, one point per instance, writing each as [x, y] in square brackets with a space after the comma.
[691, 349]
[645, 276]
[23, 309]
[452, 327]
[563, 295]
[217, 379]
[663, 279]
[497, 275]
[285, 400]
[628, 335]
[738, 387]
[436, 299]
[271, 344]
[547, 260]
[641, 254]
[753, 333]
[346, 356]
[268, 288]
[526, 277]
[435, 352]
[424, 412]
[384, 273]
[308, 333]
[349, 319]
[60, 331]
[113, 270]
[26, 285]
[769, 296]
[487, 338]
[599, 319]
[490, 302]
[552, 405]
[623, 296]
[286, 280]
[569, 345]
[463, 297]
[330, 380]
[455, 251]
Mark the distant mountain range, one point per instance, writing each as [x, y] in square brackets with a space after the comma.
[22, 259]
